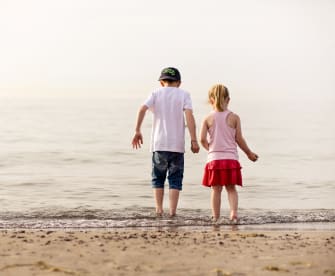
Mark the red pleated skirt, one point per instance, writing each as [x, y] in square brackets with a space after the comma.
[222, 172]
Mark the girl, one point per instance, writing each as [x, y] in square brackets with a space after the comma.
[220, 134]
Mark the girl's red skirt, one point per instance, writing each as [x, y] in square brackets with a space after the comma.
[222, 172]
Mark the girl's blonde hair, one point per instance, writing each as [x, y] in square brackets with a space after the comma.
[219, 93]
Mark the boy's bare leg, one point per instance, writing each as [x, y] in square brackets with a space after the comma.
[159, 195]
[233, 200]
[216, 201]
[174, 197]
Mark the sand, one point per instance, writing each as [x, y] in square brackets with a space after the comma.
[208, 251]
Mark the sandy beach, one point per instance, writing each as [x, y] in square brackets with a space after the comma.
[212, 251]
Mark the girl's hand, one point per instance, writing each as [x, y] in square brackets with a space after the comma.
[252, 156]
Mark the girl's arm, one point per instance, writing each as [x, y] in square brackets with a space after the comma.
[241, 141]
[203, 134]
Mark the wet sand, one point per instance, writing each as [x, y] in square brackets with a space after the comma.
[212, 251]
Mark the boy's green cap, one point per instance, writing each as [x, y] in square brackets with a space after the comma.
[170, 73]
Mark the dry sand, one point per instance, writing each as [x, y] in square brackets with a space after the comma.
[213, 251]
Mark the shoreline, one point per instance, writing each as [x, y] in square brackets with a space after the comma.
[174, 251]
[298, 226]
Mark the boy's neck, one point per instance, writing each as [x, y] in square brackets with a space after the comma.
[170, 84]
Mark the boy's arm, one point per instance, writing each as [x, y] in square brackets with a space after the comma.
[138, 138]
[192, 129]
[242, 143]
[203, 135]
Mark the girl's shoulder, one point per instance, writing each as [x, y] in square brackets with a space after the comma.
[232, 114]
[232, 119]
[208, 119]
[210, 116]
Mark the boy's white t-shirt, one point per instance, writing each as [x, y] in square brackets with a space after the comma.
[168, 129]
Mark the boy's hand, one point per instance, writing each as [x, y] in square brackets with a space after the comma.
[253, 156]
[195, 146]
[137, 140]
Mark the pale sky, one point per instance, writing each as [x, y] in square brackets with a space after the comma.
[98, 48]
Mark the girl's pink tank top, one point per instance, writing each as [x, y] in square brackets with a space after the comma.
[222, 143]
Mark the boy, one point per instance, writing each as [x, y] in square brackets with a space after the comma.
[168, 104]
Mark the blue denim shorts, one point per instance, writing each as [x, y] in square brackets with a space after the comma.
[170, 164]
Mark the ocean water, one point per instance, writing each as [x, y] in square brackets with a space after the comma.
[69, 163]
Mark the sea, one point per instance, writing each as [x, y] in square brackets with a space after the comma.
[69, 163]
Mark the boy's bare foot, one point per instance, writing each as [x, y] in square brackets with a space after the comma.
[159, 215]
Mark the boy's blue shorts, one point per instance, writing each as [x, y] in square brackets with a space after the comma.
[170, 164]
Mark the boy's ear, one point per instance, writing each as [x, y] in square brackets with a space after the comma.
[178, 83]
[161, 82]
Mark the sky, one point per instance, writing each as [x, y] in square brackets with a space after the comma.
[106, 48]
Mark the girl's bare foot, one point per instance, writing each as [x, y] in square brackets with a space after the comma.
[234, 220]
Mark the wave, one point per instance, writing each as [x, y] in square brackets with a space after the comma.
[145, 217]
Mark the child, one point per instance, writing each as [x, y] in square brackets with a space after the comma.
[168, 104]
[223, 129]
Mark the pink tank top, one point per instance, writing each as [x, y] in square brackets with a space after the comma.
[222, 144]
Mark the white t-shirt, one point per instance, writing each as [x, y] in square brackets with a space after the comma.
[168, 129]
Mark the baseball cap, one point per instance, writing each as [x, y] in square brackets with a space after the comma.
[170, 73]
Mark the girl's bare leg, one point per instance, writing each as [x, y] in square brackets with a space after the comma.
[159, 195]
[216, 201]
[174, 197]
[233, 200]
